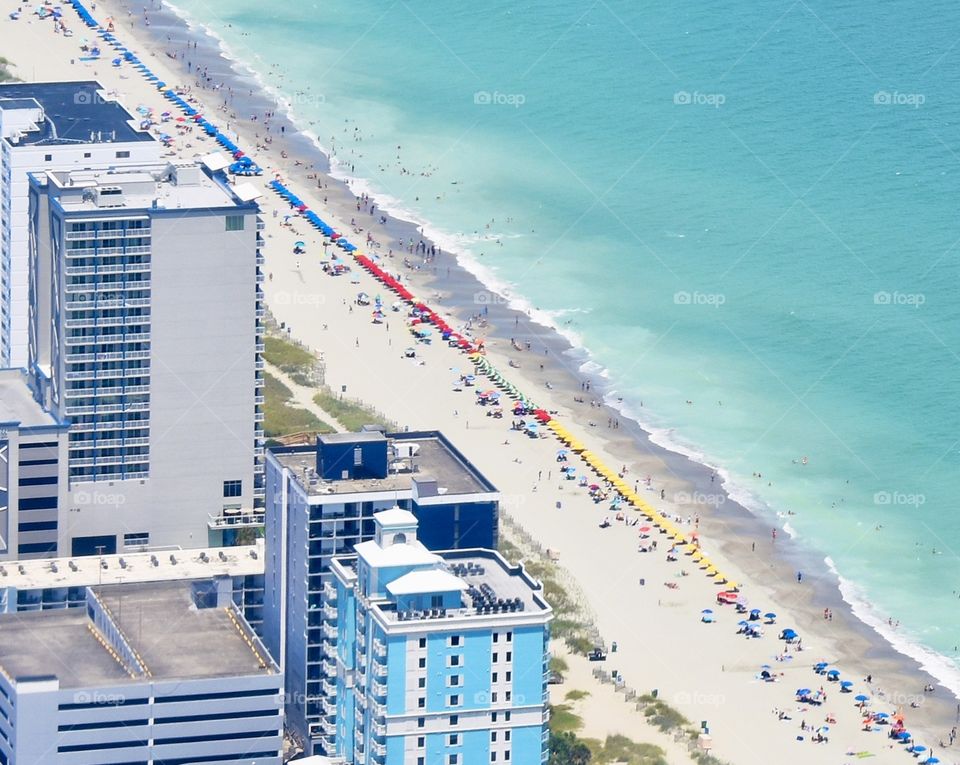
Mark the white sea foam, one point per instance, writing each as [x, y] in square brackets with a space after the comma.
[936, 664]
[462, 246]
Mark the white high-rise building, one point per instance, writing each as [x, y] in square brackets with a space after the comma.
[51, 126]
[145, 335]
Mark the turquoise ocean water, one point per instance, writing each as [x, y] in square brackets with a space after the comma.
[739, 202]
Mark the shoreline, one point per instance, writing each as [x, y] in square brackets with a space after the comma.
[727, 523]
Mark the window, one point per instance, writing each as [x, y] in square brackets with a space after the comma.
[123, 155]
[509, 694]
[453, 640]
[421, 702]
[453, 680]
[509, 655]
[493, 677]
[506, 735]
[421, 742]
[454, 719]
[509, 676]
[453, 661]
[493, 756]
[493, 717]
[453, 701]
[234, 223]
[509, 637]
[496, 637]
[506, 755]
[421, 682]
[496, 658]
[422, 663]
[420, 761]
[493, 697]
[423, 642]
[453, 739]
[493, 734]
[141, 539]
[506, 716]
[453, 759]
[86, 155]
[48, 158]
[232, 488]
[420, 722]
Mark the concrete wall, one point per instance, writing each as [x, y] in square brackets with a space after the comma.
[14, 293]
[202, 387]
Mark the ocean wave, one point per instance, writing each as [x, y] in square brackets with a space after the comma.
[936, 664]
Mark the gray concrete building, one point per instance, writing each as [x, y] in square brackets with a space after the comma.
[33, 471]
[145, 673]
[146, 335]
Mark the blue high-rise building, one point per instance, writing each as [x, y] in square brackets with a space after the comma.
[441, 659]
[320, 502]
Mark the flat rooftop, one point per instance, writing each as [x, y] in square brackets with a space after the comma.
[168, 566]
[434, 460]
[176, 640]
[75, 112]
[17, 404]
[170, 186]
[479, 571]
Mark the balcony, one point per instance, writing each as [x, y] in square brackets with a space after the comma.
[329, 611]
[379, 689]
[236, 519]
[379, 649]
[379, 729]
[379, 670]
[329, 630]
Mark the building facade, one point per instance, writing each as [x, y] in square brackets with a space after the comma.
[53, 126]
[143, 673]
[441, 658]
[146, 335]
[321, 502]
[33, 471]
[215, 574]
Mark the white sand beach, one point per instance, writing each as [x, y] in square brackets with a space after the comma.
[649, 606]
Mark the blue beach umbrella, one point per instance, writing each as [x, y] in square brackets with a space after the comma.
[861, 697]
[903, 735]
[918, 748]
[803, 692]
[770, 615]
[846, 684]
[881, 715]
[932, 760]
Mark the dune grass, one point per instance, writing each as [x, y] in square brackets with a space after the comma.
[353, 415]
[281, 418]
[291, 359]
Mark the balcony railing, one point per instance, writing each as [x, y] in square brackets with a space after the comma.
[235, 519]
[379, 649]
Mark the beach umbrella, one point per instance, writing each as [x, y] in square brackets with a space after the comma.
[743, 623]
[803, 692]
[918, 748]
[903, 735]
[846, 684]
[931, 760]
[861, 697]
[881, 715]
[770, 615]
[707, 611]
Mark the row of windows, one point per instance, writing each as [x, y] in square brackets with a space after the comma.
[37, 526]
[34, 548]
